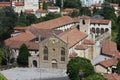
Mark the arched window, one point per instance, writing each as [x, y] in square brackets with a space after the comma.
[102, 30]
[62, 54]
[106, 30]
[45, 52]
[83, 22]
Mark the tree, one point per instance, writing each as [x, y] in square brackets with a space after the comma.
[95, 77]
[108, 13]
[22, 19]
[30, 18]
[74, 14]
[72, 4]
[118, 39]
[1, 55]
[8, 19]
[23, 56]
[50, 16]
[85, 11]
[79, 66]
[45, 5]
[97, 11]
[118, 67]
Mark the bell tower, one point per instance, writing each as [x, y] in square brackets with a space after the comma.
[84, 24]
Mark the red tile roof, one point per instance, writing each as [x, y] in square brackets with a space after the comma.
[70, 10]
[98, 21]
[17, 44]
[88, 42]
[113, 76]
[109, 48]
[97, 5]
[53, 7]
[20, 28]
[81, 47]
[19, 3]
[114, 5]
[50, 24]
[72, 36]
[73, 54]
[92, 21]
[2, 4]
[29, 11]
[44, 32]
[109, 62]
[41, 11]
[26, 36]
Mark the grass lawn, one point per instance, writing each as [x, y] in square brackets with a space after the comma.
[2, 77]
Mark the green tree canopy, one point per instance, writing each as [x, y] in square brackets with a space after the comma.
[74, 14]
[118, 67]
[79, 65]
[118, 39]
[1, 55]
[72, 4]
[23, 56]
[85, 11]
[8, 19]
[31, 18]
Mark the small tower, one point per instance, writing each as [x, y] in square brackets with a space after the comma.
[84, 24]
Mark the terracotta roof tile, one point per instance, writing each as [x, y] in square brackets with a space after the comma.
[70, 10]
[109, 48]
[99, 21]
[81, 47]
[26, 36]
[29, 11]
[50, 24]
[41, 11]
[20, 28]
[2, 4]
[19, 3]
[109, 62]
[73, 54]
[44, 32]
[53, 7]
[97, 5]
[17, 44]
[92, 21]
[84, 17]
[114, 5]
[72, 36]
[113, 76]
[88, 42]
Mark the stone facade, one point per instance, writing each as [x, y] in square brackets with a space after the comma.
[54, 46]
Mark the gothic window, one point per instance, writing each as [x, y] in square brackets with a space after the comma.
[45, 52]
[83, 22]
[62, 54]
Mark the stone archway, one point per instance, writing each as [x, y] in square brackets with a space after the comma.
[54, 63]
[97, 30]
[102, 31]
[93, 30]
[106, 29]
[34, 63]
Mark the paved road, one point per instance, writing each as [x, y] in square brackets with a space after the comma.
[61, 78]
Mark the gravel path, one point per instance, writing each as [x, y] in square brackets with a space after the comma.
[34, 74]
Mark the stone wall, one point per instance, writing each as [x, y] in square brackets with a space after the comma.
[54, 46]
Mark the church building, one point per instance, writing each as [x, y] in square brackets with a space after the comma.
[54, 42]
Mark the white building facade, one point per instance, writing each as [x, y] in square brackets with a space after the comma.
[88, 3]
